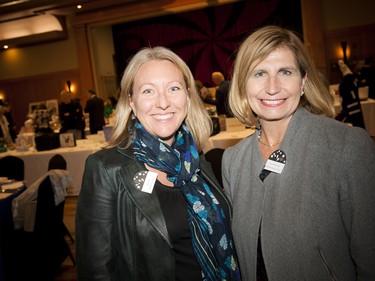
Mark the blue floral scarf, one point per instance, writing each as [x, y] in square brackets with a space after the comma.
[210, 230]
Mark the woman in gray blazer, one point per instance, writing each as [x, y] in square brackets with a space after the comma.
[302, 186]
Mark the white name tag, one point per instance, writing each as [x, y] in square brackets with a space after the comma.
[274, 166]
[149, 183]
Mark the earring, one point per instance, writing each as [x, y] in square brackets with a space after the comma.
[302, 93]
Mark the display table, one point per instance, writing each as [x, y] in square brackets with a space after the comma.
[36, 162]
[226, 139]
[368, 111]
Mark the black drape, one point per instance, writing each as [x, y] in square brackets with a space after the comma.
[206, 39]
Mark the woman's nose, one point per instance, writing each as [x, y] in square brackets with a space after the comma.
[273, 85]
[162, 100]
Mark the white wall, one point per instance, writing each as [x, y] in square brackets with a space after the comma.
[103, 50]
[101, 44]
[39, 59]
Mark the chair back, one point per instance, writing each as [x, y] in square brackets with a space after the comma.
[57, 162]
[42, 252]
[49, 217]
[12, 167]
[214, 156]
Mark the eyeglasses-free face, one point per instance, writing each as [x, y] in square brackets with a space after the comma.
[275, 86]
[160, 99]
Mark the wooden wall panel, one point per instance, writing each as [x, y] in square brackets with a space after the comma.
[47, 88]
[22, 91]
[19, 94]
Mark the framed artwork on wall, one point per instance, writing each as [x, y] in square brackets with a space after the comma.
[34, 106]
[52, 106]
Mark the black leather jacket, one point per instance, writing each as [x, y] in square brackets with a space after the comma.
[120, 231]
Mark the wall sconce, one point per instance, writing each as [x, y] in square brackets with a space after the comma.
[68, 83]
[343, 47]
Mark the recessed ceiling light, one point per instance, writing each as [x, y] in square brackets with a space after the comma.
[6, 46]
[79, 6]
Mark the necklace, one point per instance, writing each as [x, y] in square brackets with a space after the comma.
[264, 143]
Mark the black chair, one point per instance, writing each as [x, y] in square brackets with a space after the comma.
[214, 156]
[12, 167]
[42, 252]
[58, 162]
[8, 255]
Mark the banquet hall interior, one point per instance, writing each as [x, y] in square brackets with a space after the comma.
[50, 46]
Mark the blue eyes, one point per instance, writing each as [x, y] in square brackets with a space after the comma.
[173, 89]
[147, 92]
[281, 72]
[259, 74]
[286, 72]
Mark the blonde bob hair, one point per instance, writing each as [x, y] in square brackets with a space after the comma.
[197, 120]
[257, 47]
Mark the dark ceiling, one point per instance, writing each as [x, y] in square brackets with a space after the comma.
[16, 9]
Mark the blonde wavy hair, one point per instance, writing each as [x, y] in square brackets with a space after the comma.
[256, 47]
[197, 120]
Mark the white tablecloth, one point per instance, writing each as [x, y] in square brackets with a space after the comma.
[36, 162]
[226, 139]
[368, 111]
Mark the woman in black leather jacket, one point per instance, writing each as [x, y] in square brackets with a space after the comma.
[150, 207]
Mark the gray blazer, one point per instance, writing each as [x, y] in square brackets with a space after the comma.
[316, 218]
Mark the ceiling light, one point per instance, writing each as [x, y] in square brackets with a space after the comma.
[29, 26]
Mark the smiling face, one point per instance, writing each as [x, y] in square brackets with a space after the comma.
[160, 99]
[275, 86]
